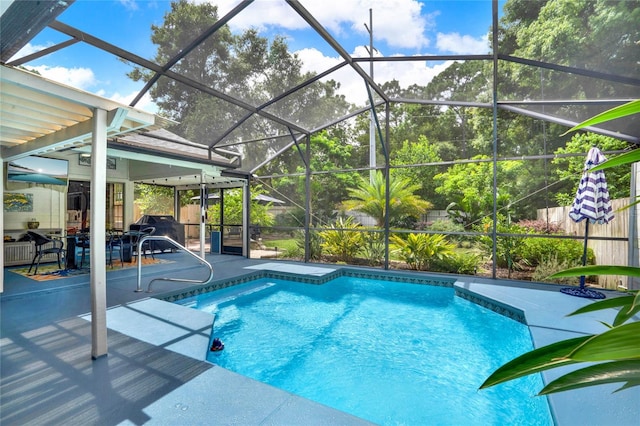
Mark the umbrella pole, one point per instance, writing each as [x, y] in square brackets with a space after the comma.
[582, 291]
[583, 278]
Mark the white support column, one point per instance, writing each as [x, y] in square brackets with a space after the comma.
[129, 196]
[97, 239]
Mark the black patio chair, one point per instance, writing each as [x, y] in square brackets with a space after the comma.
[44, 246]
[83, 242]
[115, 243]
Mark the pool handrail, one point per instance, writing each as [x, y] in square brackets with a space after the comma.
[178, 245]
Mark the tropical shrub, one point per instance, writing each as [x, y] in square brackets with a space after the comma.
[373, 247]
[315, 246]
[458, 263]
[342, 240]
[420, 250]
[370, 198]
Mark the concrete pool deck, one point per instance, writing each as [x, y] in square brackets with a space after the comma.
[155, 373]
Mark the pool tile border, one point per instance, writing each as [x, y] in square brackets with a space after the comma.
[441, 281]
[307, 279]
[497, 307]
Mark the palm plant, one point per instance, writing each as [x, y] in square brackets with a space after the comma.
[370, 198]
[419, 250]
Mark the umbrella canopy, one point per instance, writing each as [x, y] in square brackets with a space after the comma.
[592, 198]
[593, 204]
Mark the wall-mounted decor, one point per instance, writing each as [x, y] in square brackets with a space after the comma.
[18, 202]
[85, 160]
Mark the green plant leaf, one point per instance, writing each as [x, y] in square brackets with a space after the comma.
[625, 314]
[626, 158]
[618, 343]
[629, 271]
[540, 359]
[614, 302]
[610, 372]
[623, 110]
[627, 304]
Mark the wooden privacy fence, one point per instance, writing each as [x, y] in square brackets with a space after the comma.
[606, 252]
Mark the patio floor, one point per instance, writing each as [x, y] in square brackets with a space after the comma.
[154, 373]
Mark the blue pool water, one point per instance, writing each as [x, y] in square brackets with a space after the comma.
[389, 352]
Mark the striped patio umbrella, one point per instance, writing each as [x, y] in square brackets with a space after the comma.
[592, 204]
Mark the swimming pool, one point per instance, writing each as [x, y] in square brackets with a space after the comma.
[389, 352]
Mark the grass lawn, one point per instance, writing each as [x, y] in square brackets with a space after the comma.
[283, 245]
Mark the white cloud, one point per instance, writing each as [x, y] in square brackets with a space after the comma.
[28, 49]
[462, 44]
[397, 22]
[80, 78]
[352, 85]
[84, 79]
[145, 103]
[129, 4]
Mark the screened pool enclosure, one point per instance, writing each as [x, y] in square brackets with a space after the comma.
[467, 147]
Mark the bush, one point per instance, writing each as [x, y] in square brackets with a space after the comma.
[552, 265]
[508, 248]
[446, 226]
[539, 226]
[536, 251]
[420, 250]
[458, 263]
[342, 242]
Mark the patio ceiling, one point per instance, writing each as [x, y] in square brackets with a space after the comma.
[40, 117]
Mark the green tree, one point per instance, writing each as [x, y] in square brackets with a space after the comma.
[233, 208]
[569, 169]
[423, 153]
[370, 198]
[468, 187]
[154, 199]
[596, 35]
[328, 155]
[246, 66]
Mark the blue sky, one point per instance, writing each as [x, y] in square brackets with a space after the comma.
[401, 27]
